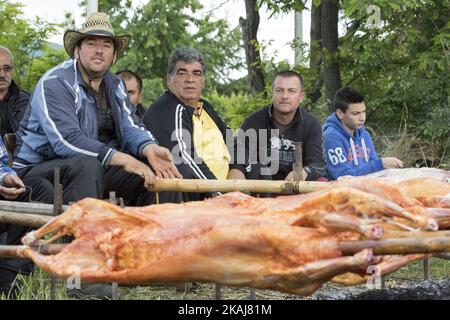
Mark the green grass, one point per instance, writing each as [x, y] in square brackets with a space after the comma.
[37, 286]
[438, 268]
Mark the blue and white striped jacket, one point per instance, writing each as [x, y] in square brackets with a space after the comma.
[61, 120]
[4, 167]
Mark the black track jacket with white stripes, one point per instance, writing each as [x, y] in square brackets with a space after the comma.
[170, 121]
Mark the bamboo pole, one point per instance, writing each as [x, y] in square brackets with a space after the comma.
[389, 234]
[16, 251]
[201, 186]
[397, 245]
[32, 220]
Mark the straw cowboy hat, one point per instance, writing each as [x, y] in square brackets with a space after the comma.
[97, 24]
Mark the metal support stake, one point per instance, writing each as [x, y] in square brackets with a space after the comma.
[426, 269]
[57, 209]
[183, 287]
[115, 285]
[218, 292]
[297, 167]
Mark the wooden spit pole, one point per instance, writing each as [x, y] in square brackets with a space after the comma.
[32, 220]
[380, 247]
[397, 245]
[16, 251]
[29, 207]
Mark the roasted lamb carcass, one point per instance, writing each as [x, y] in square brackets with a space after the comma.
[399, 175]
[288, 243]
[116, 245]
[430, 192]
[424, 197]
[335, 209]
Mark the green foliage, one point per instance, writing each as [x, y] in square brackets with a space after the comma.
[235, 108]
[26, 40]
[279, 6]
[160, 26]
[401, 66]
[47, 59]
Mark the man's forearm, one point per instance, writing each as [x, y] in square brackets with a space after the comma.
[119, 159]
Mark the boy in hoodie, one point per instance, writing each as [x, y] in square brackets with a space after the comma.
[348, 147]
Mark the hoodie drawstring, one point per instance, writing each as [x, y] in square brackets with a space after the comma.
[355, 158]
[363, 143]
[75, 84]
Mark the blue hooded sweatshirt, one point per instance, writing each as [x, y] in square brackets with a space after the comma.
[345, 154]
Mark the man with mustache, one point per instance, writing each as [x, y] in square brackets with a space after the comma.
[188, 125]
[80, 119]
[348, 147]
[13, 101]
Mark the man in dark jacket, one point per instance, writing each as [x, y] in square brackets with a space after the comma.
[13, 101]
[134, 87]
[264, 147]
[187, 124]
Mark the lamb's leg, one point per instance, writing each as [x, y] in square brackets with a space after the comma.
[57, 225]
[387, 266]
[306, 279]
[339, 222]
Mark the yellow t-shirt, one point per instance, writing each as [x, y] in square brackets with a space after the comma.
[210, 146]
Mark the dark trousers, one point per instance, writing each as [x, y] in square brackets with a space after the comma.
[255, 174]
[83, 176]
[11, 234]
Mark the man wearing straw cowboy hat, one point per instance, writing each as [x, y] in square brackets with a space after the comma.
[80, 119]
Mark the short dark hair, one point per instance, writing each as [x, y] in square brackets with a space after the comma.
[346, 96]
[128, 75]
[187, 55]
[288, 74]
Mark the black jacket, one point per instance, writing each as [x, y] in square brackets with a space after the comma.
[304, 128]
[140, 110]
[170, 121]
[12, 109]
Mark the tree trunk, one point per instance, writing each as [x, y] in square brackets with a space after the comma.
[315, 59]
[330, 42]
[249, 28]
